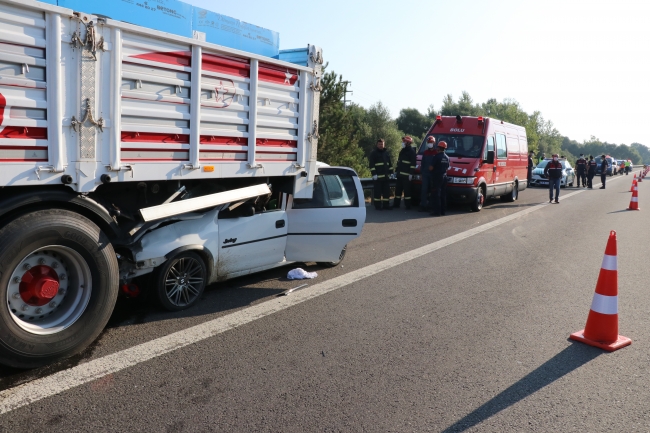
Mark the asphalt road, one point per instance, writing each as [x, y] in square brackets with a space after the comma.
[469, 337]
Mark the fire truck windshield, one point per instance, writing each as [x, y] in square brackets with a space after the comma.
[466, 146]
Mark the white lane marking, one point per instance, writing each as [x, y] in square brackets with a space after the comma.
[610, 263]
[604, 304]
[57, 383]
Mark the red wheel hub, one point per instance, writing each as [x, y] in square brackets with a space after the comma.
[39, 285]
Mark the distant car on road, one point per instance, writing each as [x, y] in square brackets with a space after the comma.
[568, 174]
[610, 162]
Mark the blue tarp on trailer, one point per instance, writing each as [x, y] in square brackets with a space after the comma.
[233, 33]
[170, 16]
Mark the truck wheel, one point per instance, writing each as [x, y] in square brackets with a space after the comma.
[336, 263]
[180, 281]
[59, 279]
[514, 195]
[478, 202]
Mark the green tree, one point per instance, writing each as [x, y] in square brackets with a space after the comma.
[413, 123]
[381, 125]
[340, 129]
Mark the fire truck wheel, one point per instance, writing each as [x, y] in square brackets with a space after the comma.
[58, 282]
[336, 263]
[514, 195]
[180, 281]
[477, 205]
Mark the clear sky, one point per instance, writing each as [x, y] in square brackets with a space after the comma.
[584, 64]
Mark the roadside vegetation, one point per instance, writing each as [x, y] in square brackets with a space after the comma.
[348, 132]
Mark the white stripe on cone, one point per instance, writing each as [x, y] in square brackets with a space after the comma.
[604, 304]
[635, 199]
[610, 263]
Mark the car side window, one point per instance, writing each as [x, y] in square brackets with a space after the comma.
[489, 147]
[330, 191]
[502, 151]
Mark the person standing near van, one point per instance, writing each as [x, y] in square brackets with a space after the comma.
[553, 171]
[541, 158]
[425, 171]
[404, 173]
[581, 169]
[627, 167]
[380, 168]
[603, 171]
[591, 172]
[531, 164]
[440, 166]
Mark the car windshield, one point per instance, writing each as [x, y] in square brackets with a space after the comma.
[466, 146]
[542, 164]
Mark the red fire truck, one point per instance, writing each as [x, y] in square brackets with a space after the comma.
[488, 158]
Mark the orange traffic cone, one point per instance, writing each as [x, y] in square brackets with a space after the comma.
[634, 183]
[634, 201]
[640, 179]
[602, 323]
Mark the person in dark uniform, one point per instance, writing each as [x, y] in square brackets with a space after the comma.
[603, 171]
[553, 171]
[591, 171]
[440, 165]
[581, 170]
[425, 171]
[404, 173]
[530, 167]
[380, 168]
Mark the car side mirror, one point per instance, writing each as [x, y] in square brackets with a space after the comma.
[490, 157]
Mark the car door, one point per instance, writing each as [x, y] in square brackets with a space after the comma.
[320, 227]
[250, 242]
[488, 169]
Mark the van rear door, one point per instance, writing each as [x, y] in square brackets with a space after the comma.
[321, 227]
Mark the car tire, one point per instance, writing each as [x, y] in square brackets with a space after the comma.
[477, 205]
[337, 262]
[180, 281]
[66, 300]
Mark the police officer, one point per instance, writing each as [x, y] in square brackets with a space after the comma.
[603, 171]
[530, 167]
[440, 165]
[426, 169]
[404, 173]
[581, 169]
[553, 171]
[380, 168]
[591, 172]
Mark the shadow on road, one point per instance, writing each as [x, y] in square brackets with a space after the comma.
[571, 358]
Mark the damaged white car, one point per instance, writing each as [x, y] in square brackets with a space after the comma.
[191, 243]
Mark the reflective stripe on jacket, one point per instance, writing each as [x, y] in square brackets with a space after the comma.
[405, 162]
[380, 163]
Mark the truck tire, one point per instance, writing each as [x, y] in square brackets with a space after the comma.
[337, 262]
[58, 282]
[477, 205]
[180, 281]
[514, 194]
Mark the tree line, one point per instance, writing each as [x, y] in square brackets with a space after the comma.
[348, 133]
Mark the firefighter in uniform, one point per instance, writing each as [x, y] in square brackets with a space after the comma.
[439, 165]
[404, 173]
[591, 171]
[425, 171]
[581, 169]
[380, 168]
